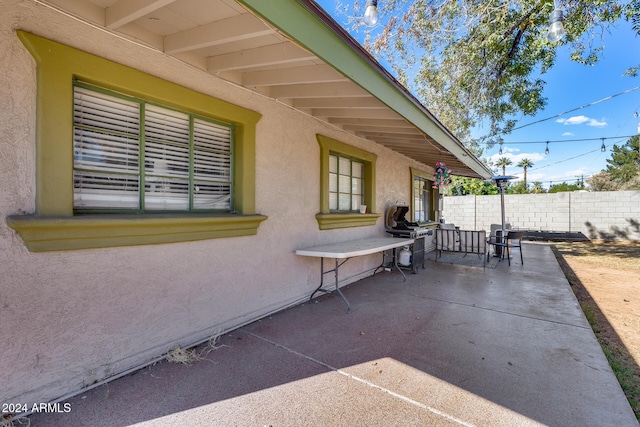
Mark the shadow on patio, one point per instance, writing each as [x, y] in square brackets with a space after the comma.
[453, 345]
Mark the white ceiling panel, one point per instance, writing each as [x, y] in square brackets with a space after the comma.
[227, 40]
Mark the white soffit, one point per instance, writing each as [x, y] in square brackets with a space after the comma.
[238, 46]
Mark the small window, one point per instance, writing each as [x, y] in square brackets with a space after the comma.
[130, 155]
[423, 206]
[346, 184]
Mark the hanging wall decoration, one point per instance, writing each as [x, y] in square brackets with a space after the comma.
[441, 176]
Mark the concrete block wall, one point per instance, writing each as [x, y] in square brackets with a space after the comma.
[607, 215]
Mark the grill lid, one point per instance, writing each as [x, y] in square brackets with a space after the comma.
[396, 217]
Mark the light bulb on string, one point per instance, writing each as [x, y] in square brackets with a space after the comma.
[500, 152]
[556, 29]
[371, 13]
[603, 148]
[546, 151]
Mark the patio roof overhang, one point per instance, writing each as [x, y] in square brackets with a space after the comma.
[291, 51]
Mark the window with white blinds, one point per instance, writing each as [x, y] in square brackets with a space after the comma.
[346, 184]
[132, 155]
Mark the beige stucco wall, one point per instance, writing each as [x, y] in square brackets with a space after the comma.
[68, 319]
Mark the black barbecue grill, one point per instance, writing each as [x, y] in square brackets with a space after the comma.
[397, 225]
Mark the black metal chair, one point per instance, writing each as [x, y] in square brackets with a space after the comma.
[494, 236]
[512, 240]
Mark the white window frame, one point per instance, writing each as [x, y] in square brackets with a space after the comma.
[346, 183]
[422, 196]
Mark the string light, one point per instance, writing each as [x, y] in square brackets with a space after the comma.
[604, 147]
[571, 110]
[371, 13]
[566, 140]
[564, 160]
[500, 152]
[546, 151]
[556, 29]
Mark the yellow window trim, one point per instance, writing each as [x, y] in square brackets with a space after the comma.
[57, 67]
[99, 231]
[326, 219]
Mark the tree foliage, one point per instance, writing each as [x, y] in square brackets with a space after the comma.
[632, 184]
[519, 187]
[624, 161]
[461, 186]
[472, 62]
[558, 188]
[525, 164]
[536, 188]
[635, 15]
[602, 182]
[503, 162]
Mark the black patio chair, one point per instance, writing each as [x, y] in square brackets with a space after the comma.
[512, 240]
[493, 237]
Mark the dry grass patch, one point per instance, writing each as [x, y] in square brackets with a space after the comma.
[7, 420]
[622, 256]
[189, 356]
[183, 356]
[605, 277]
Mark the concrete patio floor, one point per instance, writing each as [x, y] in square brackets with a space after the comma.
[453, 345]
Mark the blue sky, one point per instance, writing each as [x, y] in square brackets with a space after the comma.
[569, 86]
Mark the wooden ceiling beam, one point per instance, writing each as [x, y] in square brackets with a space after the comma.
[123, 12]
[265, 56]
[227, 30]
[318, 90]
[294, 75]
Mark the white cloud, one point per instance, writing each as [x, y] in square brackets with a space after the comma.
[534, 157]
[575, 120]
[578, 120]
[568, 134]
[597, 123]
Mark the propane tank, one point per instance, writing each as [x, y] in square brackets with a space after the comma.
[404, 257]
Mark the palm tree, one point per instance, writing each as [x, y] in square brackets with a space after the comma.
[524, 164]
[503, 162]
[537, 188]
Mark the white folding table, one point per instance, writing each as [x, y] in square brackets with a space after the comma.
[349, 249]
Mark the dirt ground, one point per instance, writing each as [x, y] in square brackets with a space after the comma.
[606, 280]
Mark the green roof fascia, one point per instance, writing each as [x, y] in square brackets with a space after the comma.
[333, 45]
